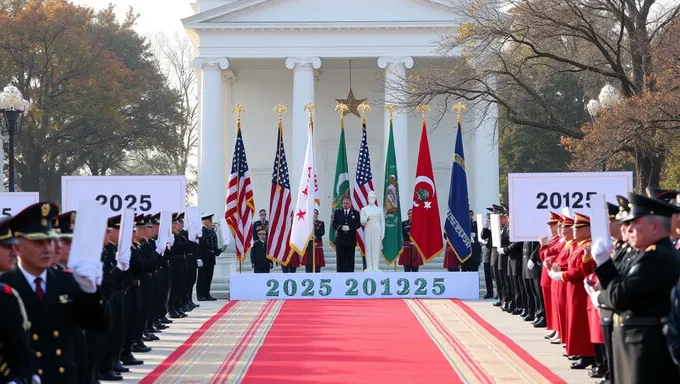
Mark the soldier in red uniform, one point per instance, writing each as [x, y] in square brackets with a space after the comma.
[409, 258]
[558, 288]
[450, 259]
[550, 248]
[319, 231]
[580, 262]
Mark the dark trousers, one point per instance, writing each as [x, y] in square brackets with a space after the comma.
[409, 268]
[146, 288]
[133, 305]
[113, 340]
[345, 257]
[308, 268]
[95, 341]
[152, 314]
[609, 351]
[453, 269]
[288, 269]
[537, 291]
[261, 270]
[205, 276]
[178, 276]
[517, 290]
[363, 261]
[528, 296]
[81, 354]
[499, 275]
[488, 278]
[192, 268]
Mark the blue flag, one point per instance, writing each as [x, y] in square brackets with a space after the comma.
[457, 225]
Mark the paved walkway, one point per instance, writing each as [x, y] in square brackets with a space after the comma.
[527, 337]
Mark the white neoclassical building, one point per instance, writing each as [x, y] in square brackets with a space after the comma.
[260, 53]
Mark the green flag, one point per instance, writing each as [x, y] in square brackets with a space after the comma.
[393, 240]
[341, 184]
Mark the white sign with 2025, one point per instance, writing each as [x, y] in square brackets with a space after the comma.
[372, 285]
[144, 194]
[12, 203]
[532, 195]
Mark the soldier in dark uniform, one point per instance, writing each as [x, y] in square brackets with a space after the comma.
[531, 278]
[258, 254]
[409, 258]
[261, 225]
[141, 299]
[162, 298]
[56, 301]
[178, 269]
[486, 259]
[472, 263]
[207, 254]
[494, 261]
[638, 293]
[188, 304]
[151, 261]
[317, 243]
[18, 362]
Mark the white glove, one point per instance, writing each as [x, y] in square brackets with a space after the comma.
[530, 264]
[482, 241]
[594, 295]
[501, 251]
[557, 276]
[199, 262]
[160, 250]
[85, 273]
[589, 288]
[224, 248]
[100, 275]
[345, 228]
[124, 256]
[123, 266]
[601, 250]
[544, 240]
[36, 379]
[473, 235]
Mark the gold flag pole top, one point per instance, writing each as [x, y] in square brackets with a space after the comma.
[280, 109]
[363, 108]
[459, 108]
[343, 109]
[391, 109]
[423, 109]
[309, 108]
[238, 109]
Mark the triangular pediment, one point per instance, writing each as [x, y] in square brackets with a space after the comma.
[324, 13]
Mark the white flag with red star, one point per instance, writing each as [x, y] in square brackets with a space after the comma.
[307, 200]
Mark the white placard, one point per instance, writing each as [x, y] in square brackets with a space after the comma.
[225, 232]
[599, 218]
[144, 194]
[12, 203]
[495, 222]
[88, 233]
[533, 195]
[373, 285]
[127, 226]
[164, 229]
[480, 226]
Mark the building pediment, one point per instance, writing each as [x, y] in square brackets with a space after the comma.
[295, 15]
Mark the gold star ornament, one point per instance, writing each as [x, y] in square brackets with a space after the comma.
[352, 103]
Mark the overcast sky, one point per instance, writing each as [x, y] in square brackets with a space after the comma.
[154, 15]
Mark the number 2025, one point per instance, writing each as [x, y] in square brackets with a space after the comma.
[369, 287]
[556, 200]
[116, 202]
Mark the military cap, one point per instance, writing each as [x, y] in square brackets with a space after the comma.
[612, 211]
[623, 207]
[581, 220]
[35, 221]
[490, 209]
[180, 217]
[156, 219]
[554, 218]
[6, 236]
[175, 216]
[499, 210]
[644, 206]
[139, 220]
[661, 194]
[148, 220]
[567, 221]
[207, 216]
[114, 221]
[65, 224]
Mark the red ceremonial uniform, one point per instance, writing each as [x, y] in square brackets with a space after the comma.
[450, 258]
[547, 254]
[409, 256]
[559, 291]
[596, 336]
[578, 336]
[319, 258]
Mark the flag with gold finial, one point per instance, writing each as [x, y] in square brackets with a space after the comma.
[342, 182]
[308, 195]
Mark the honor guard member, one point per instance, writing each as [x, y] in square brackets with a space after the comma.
[261, 225]
[486, 258]
[140, 270]
[18, 363]
[639, 293]
[57, 302]
[258, 254]
[192, 269]
[672, 197]
[409, 258]
[207, 258]
[319, 232]
[475, 259]
[161, 288]
[151, 264]
[165, 275]
[672, 330]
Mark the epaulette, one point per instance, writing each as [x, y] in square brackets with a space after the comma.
[8, 290]
[587, 257]
[651, 248]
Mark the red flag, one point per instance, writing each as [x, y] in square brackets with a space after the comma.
[426, 227]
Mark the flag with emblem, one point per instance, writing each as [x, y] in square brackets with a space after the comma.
[363, 183]
[426, 230]
[393, 242]
[341, 184]
[307, 200]
[279, 205]
[457, 224]
[240, 204]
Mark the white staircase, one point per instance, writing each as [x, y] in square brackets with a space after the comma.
[227, 263]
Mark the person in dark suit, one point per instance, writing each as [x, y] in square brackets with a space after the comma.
[17, 361]
[258, 254]
[56, 301]
[531, 279]
[261, 225]
[472, 264]
[207, 254]
[345, 224]
[486, 258]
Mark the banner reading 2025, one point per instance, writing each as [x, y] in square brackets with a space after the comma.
[371, 285]
[144, 194]
[532, 195]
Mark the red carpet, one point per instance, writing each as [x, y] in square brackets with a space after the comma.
[349, 341]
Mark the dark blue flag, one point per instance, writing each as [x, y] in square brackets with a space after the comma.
[457, 225]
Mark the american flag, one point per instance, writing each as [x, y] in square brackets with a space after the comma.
[363, 185]
[240, 205]
[279, 206]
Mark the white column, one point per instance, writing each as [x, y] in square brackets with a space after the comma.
[303, 93]
[395, 76]
[486, 188]
[211, 161]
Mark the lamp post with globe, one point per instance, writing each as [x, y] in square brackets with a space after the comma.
[13, 107]
[609, 96]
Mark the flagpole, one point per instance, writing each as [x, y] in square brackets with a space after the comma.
[391, 108]
[237, 109]
[309, 108]
[343, 109]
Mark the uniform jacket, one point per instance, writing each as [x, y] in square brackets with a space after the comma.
[17, 361]
[352, 220]
[208, 249]
[258, 255]
[530, 252]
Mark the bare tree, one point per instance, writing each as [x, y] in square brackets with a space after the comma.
[506, 51]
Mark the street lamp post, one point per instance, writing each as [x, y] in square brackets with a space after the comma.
[609, 96]
[13, 107]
